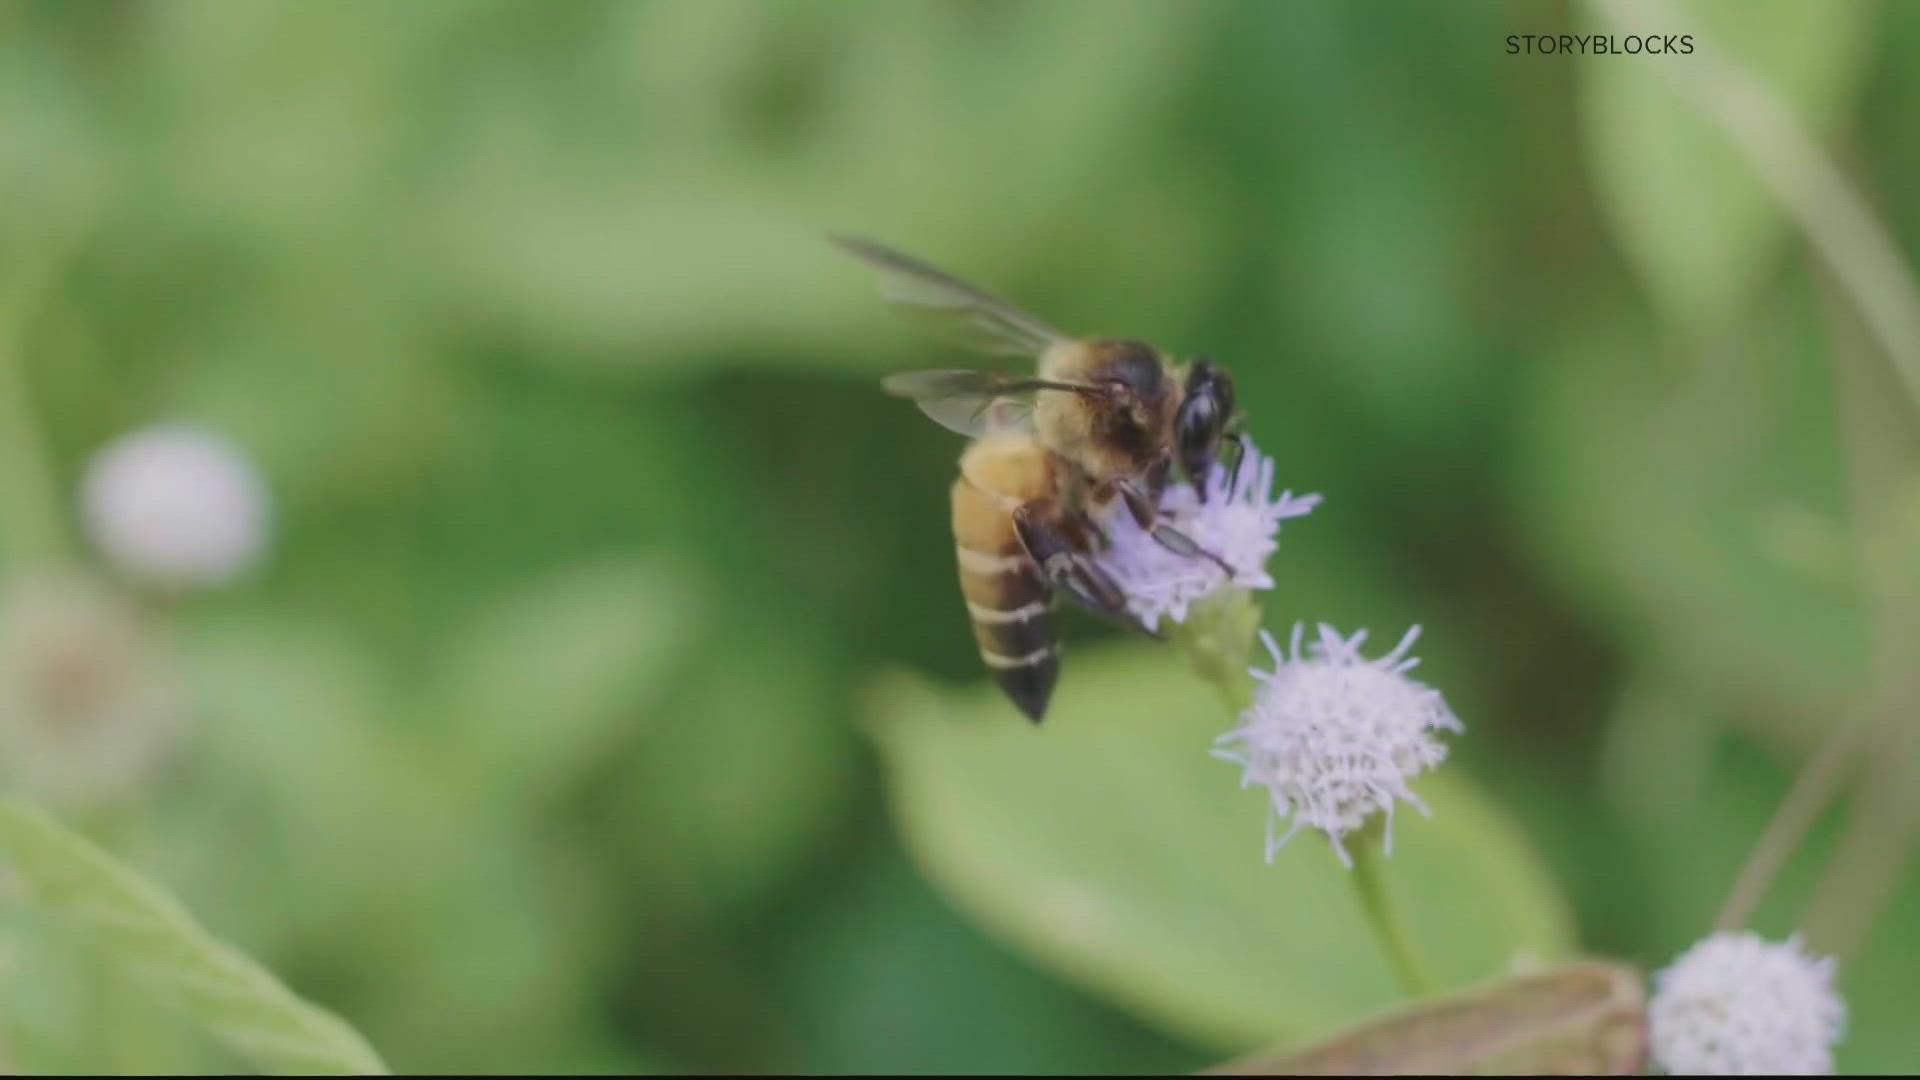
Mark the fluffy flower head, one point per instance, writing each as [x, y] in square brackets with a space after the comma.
[1738, 1005]
[175, 506]
[1334, 737]
[1239, 522]
[88, 704]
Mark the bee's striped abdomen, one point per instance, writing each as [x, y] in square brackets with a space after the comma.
[1008, 601]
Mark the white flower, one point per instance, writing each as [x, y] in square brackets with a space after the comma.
[175, 506]
[1737, 1005]
[1239, 522]
[1334, 737]
[88, 705]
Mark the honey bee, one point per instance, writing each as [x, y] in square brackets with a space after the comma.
[1098, 425]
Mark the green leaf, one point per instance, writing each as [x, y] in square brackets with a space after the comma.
[1107, 845]
[147, 933]
[1691, 216]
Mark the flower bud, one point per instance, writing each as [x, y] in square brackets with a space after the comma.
[175, 506]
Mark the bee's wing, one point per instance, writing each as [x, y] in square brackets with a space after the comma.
[998, 326]
[976, 403]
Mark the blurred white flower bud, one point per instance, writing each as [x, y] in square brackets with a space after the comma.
[176, 506]
[1239, 522]
[1737, 1005]
[88, 701]
[1335, 737]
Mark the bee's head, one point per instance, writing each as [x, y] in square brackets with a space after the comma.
[1204, 420]
[1137, 414]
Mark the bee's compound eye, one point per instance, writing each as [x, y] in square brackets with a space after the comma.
[1199, 422]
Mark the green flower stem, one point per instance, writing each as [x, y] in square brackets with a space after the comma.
[1370, 885]
[1218, 639]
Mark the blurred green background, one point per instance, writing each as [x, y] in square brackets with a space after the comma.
[606, 701]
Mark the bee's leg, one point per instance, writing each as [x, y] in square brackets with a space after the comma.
[1140, 503]
[1236, 434]
[1064, 562]
[1146, 511]
[1154, 484]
